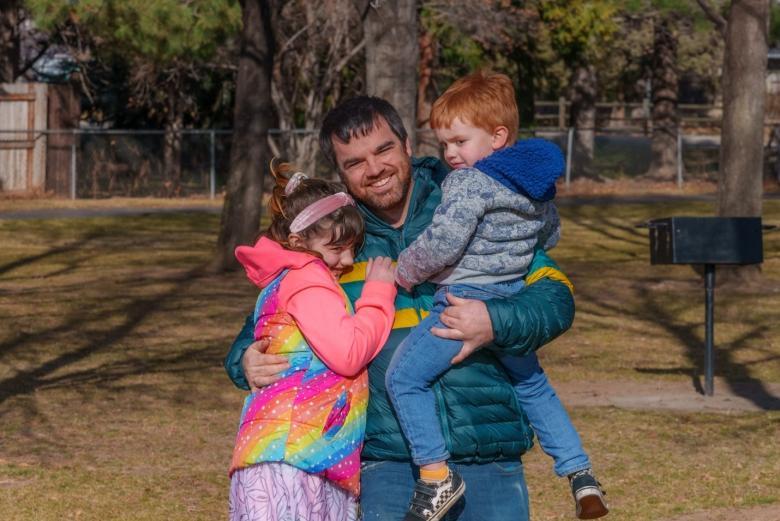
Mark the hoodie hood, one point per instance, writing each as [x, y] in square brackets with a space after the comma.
[529, 167]
[265, 260]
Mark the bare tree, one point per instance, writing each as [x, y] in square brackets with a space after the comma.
[318, 45]
[740, 178]
[584, 89]
[253, 116]
[392, 52]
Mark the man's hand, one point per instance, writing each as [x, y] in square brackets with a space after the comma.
[468, 320]
[261, 369]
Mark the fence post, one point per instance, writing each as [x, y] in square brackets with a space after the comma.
[561, 112]
[73, 164]
[213, 171]
[679, 159]
[569, 142]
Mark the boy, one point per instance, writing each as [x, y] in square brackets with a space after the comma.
[495, 210]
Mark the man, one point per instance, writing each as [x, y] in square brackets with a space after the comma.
[486, 430]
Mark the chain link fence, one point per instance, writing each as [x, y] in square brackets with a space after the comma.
[150, 163]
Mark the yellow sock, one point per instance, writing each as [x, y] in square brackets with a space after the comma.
[439, 474]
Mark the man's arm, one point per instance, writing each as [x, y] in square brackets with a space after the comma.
[515, 325]
[247, 364]
[534, 317]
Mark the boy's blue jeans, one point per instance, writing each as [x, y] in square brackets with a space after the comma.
[422, 357]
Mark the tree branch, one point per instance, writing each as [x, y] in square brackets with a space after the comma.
[714, 16]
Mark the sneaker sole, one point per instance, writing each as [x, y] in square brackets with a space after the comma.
[456, 495]
[591, 505]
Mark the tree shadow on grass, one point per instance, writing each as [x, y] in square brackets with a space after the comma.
[59, 250]
[133, 313]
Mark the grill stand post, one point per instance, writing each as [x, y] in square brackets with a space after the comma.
[709, 305]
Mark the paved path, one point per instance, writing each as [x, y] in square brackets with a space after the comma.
[59, 213]
[677, 396]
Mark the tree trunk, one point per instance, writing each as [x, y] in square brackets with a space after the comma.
[526, 90]
[9, 40]
[665, 117]
[741, 153]
[392, 51]
[427, 144]
[252, 117]
[583, 118]
[172, 153]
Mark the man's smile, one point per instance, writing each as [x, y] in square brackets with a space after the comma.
[380, 183]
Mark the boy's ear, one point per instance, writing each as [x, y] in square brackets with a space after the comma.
[500, 137]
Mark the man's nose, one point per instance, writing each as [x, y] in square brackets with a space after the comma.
[374, 166]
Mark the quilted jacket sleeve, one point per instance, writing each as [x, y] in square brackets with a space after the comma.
[535, 316]
[232, 362]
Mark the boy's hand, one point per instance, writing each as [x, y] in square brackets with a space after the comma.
[261, 369]
[380, 269]
[467, 320]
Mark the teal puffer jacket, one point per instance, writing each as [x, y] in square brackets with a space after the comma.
[480, 417]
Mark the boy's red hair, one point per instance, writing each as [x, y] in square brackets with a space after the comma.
[485, 100]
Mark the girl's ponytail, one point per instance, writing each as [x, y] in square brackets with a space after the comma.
[279, 172]
[293, 192]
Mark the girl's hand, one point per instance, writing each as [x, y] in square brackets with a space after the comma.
[380, 269]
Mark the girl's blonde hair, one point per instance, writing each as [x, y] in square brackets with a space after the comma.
[345, 224]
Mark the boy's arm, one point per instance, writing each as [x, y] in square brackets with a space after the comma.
[443, 242]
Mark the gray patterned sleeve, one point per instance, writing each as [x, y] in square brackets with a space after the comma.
[550, 233]
[464, 199]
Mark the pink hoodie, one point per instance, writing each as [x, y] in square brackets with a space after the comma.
[310, 294]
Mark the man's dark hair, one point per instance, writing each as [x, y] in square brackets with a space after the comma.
[357, 117]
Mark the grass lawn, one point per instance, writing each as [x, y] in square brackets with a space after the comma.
[114, 404]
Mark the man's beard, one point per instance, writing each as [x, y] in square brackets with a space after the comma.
[389, 200]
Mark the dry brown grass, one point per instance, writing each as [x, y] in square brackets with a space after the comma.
[114, 404]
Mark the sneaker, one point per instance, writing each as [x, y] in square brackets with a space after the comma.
[432, 500]
[588, 495]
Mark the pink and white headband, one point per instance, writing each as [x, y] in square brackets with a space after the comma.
[318, 209]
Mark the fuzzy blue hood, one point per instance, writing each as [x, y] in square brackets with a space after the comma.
[529, 167]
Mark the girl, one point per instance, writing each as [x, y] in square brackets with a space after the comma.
[297, 452]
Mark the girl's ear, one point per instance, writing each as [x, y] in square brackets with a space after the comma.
[500, 137]
[295, 240]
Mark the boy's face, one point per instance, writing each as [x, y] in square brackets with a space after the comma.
[464, 144]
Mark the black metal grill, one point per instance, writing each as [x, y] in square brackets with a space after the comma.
[708, 241]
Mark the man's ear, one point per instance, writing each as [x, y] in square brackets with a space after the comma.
[408, 147]
[295, 240]
[500, 137]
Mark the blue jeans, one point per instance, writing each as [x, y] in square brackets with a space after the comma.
[494, 491]
[422, 357]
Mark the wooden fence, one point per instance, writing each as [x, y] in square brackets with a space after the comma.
[23, 109]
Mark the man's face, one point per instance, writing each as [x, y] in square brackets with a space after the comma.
[377, 169]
